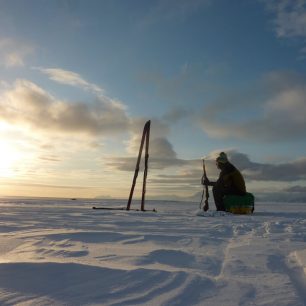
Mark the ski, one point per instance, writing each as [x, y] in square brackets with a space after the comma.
[123, 208]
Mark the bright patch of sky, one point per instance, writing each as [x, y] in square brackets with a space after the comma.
[211, 75]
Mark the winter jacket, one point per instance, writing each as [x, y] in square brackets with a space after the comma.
[231, 180]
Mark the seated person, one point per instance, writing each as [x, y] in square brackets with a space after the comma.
[230, 181]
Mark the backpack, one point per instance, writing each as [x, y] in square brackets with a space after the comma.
[237, 204]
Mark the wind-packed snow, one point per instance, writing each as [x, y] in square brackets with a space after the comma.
[62, 252]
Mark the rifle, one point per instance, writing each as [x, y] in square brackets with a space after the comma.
[205, 189]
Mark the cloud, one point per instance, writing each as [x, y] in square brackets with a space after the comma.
[190, 171]
[13, 52]
[292, 171]
[162, 148]
[27, 104]
[50, 158]
[161, 151]
[129, 163]
[273, 110]
[191, 177]
[290, 17]
[161, 154]
[297, 188]
[180, 179]
[70, 78]
[159, 130]
[284, 172]
[21, 184]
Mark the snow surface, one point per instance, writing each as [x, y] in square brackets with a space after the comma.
[62, 252]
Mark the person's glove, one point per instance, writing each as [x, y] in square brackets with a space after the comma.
[205, 181]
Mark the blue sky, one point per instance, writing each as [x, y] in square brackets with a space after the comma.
[80, 78]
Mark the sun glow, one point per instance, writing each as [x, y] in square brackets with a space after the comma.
[9, 158]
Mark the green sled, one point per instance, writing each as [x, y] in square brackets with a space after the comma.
[236, 204]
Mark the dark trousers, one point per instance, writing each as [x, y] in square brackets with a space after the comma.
[219, 192]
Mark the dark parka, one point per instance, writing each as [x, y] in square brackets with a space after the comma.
[230, 180]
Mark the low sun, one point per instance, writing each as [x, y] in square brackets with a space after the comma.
[9, 156]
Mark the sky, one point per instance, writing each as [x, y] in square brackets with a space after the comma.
[78, 80]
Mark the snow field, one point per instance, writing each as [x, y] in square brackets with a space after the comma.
[61, 252]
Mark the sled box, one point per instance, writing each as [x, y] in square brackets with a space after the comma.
[236, 204]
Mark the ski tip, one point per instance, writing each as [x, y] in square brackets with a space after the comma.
[150, 210]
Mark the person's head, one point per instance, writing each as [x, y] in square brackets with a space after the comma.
[221, 160]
